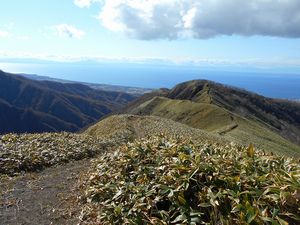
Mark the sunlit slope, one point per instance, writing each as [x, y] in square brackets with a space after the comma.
[130, 127]
[198, 115]
[218, 121]
[281, 116]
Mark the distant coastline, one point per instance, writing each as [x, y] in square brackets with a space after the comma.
[274, 85]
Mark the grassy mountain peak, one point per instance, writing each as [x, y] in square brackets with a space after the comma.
[232, 113]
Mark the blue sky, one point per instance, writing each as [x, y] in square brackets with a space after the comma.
[138, 30]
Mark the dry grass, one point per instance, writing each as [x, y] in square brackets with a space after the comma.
[32, 152]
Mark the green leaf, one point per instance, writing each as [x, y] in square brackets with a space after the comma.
[179, 218]
[281, 221]
[181, 199]
[250, 150]
[118, 210]
[204, 205]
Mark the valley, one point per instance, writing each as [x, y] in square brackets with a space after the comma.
[45, 106]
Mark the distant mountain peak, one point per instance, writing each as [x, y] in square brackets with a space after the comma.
[238, 114]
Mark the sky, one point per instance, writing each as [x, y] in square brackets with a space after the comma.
[260, 33]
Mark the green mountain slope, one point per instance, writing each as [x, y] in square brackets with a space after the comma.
[131, 127]
[282, 116]
[235, 114]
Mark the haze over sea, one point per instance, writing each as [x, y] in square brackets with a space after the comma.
[271, 84]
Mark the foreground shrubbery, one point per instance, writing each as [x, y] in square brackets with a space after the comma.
[170, 181]
[31, 152]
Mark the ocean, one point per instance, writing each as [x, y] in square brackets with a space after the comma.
[275, 85]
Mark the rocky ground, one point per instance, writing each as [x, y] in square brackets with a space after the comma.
[39, 174]
[44, 198]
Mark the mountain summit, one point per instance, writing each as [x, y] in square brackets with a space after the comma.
[236, 114]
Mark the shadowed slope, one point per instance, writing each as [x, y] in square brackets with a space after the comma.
[37, 106]
[28, 119]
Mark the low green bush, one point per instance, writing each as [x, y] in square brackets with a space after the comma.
[172, 181]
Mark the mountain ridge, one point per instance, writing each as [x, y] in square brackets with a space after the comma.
[60, 107]
[276, 112]
[237, 114]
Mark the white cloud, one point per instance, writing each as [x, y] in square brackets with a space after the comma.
[189, 17]
[269, 63]
[4, 34]
[83, 3]
[65, 30]
[171, 19]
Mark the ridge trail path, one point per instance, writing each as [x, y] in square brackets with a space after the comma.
[48, 197]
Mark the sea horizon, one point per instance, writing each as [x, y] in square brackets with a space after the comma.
[284, 85]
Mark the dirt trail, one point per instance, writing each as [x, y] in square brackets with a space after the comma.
[42, 198]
